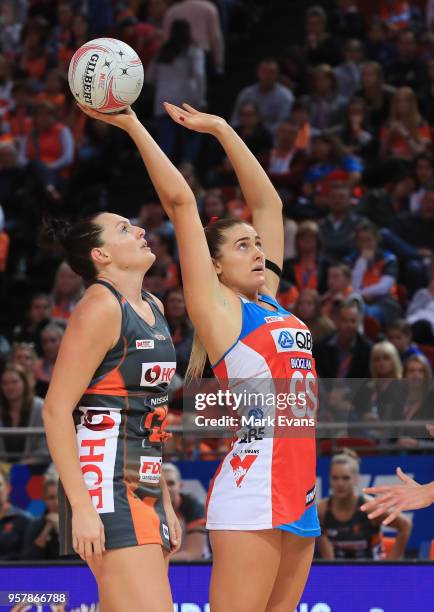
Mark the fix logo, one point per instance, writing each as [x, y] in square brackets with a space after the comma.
[157, 373]
[144, 344]
[160, 337]
[292, 339]
[150, 469]
[240, 466]
[272, 319]
[310, 495]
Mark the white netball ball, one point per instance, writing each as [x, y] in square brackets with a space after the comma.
[105, 74]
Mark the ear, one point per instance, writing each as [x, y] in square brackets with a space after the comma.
[217, 266]
[100, 256]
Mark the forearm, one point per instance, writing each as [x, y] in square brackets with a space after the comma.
[325, 548]
[430, 490]
[255, 184]
[169, 183]
[62, 443]
[402, 536]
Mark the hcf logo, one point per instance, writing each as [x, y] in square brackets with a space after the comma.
[285, 340]
[156, 373]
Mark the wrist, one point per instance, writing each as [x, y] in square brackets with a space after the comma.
[222, 128]
[431, 492]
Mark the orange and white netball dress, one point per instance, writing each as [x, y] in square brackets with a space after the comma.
[119, 423]
[267, 479]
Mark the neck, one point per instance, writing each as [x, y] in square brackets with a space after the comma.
[345, 342]
[15, 405]
[345, 503]
[127, 282]
[264, 87]
[310, 256]
[339, 215]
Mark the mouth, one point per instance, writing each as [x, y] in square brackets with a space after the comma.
[258, 269]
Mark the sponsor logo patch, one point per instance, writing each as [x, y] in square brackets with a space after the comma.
[291, 339]
[310, 495]
[240, 467]
[272, 319]
[301, 363]
[144, 344]
[165, 530]
[157, 373]
[150, 469]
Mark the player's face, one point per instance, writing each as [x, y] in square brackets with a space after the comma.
[342, 480]
[124, 245]
[241, 265]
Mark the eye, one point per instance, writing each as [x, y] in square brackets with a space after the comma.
[243, 245]
[259, 245]
[124, 228]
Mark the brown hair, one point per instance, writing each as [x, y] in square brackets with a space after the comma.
[215, 237]
[347, 456]
[27, 398]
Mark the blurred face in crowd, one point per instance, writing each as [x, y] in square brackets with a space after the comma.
[8, 157]
[321, 150]
[427, 205]
[424, 171]
[366, 240]
[65, 15]
[286, 135]
[305, 306]
[12, 386]
[356, 111]
[347, 323]
[415, 370]
[50, 340]
[268, 73]
[337, 282]
[174, 306]
[316, 25]
[213, 206]
[68, 283]
[383, 365]
[403, 103]
[399, 339]
[307, 242]
[80, 26]
[44, 118]
[406, 46]
[4, 490]
[24, 357]
[371, 76]
[354, 52]
[376, 33]
[323, 82]
[249, 117]
[156, 9]
[50, 498]
[340, 200]
[173, 484]
[7, 14]
[343, 480]
[39, 309]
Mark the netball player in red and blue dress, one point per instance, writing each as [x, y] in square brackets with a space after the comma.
[104, 417]
[261, 509]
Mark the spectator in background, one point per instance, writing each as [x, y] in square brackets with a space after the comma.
[348, 72]
[153, 219]
[21, 408]
[339, 287]
[396, 15]
[6, 85]
[190, 175]
[56, 91]
[178, 73]
[180, 327]
[79, 33]
[37, 316]
[406, 133]
[407, 70]
[325, 103]
[377, 46]
[286, 164]
[10, 32]
[191, 513]
[337, 230]
[308, 309]
[143, 37]
[205, 27]
[41, 541]
[319, 46]
[252, 131]
[23, 355]
[61, 34]
[344, 354]
[400, 335]
[155, 282]
[13, 523]
[160, 245]
[17, 122]
[213, 206]
[426, 96]
[374, 275]
[348, 20]
[51, 336]
[34, 59]
[67, 290]
[354, 132]
[424, 177]
[305, 269]
[420, 313]
[293, 70]
[49, 150]
[376, 94]
[156, 10]
[347, 532]
[273, 100]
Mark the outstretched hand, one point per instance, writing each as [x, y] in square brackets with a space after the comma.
[123, 120]
[394, 499]
[193, 119]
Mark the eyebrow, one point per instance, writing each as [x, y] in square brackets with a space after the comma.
[123, 221]
[246, 238]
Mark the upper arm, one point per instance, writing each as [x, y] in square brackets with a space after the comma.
[269, 225]
[90, 334]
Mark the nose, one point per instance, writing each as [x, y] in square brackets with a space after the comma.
[140, 232]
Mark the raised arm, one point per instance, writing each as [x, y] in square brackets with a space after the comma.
[259, 193]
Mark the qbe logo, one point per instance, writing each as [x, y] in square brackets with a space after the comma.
[157, 373]
[150, 469]
[165, 531]
[291, 339]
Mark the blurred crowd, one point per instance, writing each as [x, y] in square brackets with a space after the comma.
[341, 119]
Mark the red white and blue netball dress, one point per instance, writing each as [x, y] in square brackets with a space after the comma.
[267, 479]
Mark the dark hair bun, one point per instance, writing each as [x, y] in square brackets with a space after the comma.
[54, 234]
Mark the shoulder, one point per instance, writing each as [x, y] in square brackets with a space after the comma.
[322, 507]
[158, 302]
[284, 92]
[97, 302]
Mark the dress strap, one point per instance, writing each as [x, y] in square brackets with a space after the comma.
[110, 287]
[269, 300]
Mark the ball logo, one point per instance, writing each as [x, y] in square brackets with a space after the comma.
[157, 373]
[285, 339]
